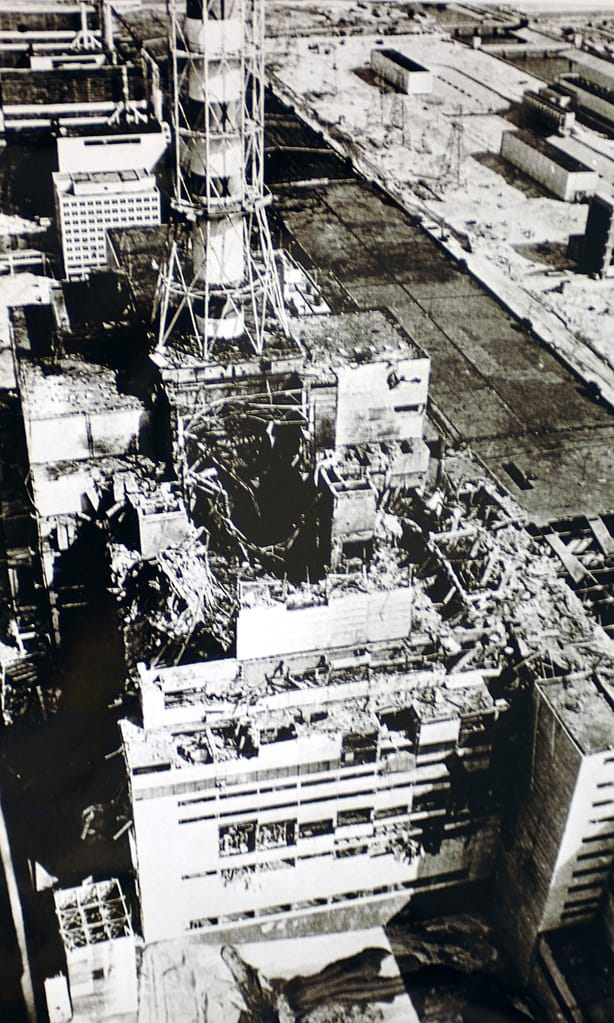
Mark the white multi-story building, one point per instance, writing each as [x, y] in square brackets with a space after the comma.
[104, 182]
[89, 204]
[321, 799]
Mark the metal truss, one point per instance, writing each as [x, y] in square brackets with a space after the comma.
[220, 265]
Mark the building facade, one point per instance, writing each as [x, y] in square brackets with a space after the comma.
[323, 806]
[104, 181]
[556, 872]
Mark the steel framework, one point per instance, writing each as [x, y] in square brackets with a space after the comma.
[219, 280]
[96, 911]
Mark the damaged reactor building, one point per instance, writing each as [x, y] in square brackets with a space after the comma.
[350, 668]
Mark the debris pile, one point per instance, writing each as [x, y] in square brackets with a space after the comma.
[27, 693]
[170, 602]
[497, 590]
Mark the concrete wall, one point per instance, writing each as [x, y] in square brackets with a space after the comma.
[351, 620]
[573, 897]
[181, 881]
[83, 435]
[565, 184]
[160, 530]
[556, 849]
[62, 495]
[112, 152]
[529, 863]
[103, 980]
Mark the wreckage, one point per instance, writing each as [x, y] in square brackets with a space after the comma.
[338, 637]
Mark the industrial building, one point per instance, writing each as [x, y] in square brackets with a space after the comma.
[548, 110]
[597, 244]
[593, 69]
[405, 74]
[589, 99]
[59, 69]
[558, 172]
[41, 37]
[101, 956]
[263, 813]
[89, 203]
[341, 638]
[564, 840]
[105, 181]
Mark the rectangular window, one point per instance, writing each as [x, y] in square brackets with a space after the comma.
[361, 815]
[585, 871]
[599, 838]
[276, 834]
[390, 811]
[236, 839]
[587, 887]
[311, 829]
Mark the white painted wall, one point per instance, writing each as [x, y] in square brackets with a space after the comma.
[345, 621]
[112, 152]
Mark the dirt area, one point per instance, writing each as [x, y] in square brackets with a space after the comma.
[442, 150]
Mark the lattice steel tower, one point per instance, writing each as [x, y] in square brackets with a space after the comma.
[219, 281]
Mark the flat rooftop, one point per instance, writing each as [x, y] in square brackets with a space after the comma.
[355, 338]
[71, 387]
[552, 152]
[399, 58]
[68, 179]
[585, 709]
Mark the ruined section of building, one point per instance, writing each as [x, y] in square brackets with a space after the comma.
[266, 800]
[329, 635]
[82, 437]
[361, 717]
[99, 943]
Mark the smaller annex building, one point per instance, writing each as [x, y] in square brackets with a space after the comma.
[563, 175]
[401, 71]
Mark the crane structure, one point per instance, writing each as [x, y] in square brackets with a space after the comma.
[219, 281]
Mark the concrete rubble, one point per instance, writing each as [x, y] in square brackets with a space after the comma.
[318, 591]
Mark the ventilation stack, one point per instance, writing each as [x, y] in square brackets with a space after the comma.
[220, 280]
